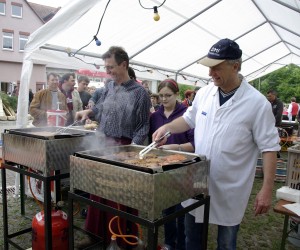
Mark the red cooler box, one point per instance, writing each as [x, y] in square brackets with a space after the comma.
[56, 118]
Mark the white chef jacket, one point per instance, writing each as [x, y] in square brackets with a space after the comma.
[231, 136]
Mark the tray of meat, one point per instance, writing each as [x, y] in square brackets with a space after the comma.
[128, 157]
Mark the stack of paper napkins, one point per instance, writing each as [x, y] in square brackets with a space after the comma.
[288, 194]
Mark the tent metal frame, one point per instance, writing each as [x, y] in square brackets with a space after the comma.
[180, 71]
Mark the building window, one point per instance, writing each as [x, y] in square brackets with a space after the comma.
[2, 8]
[16, 10]
[8, 40]
[22, 42]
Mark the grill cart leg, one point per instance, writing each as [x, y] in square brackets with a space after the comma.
[4, 200]
[70, 221]
[152, 237]
[47, 213]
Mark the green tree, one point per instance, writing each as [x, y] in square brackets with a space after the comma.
[286, 81]
[183, 88]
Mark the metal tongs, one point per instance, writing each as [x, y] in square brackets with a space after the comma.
[62, 130]
[152, 145]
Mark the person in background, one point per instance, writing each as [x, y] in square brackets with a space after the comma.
[92, 90]
[228, 110]
[47, 99]
[74, 102]
[196, 90]
[155, 102]
[97, 94]
[15, 91]
[293, 109]
[30, 96]
[131, 73]
[83, 83]
[169, 110]
[277, 106]
[145, 84]
[123, 114]
[189, 97]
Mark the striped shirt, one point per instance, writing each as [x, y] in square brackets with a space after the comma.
[123, 111]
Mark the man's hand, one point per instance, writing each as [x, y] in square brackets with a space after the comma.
[159, 133]
[82, 115]
[177, 126]
[263, 201]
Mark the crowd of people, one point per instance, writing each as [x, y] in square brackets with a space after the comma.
[82, 97]
[214, 121]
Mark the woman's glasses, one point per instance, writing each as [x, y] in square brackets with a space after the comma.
[166, 96]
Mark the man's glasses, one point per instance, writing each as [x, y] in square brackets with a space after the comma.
[110, 67]
[166, 96]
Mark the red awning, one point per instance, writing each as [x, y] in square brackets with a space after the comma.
[92, 73]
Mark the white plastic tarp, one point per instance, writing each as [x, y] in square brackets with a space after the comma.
[39, 38]
[267, 32]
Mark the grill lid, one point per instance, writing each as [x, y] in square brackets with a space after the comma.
[48, 133]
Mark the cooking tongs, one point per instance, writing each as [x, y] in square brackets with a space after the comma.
[152, 145]
[62, 130]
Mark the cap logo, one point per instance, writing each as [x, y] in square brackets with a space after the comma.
[214, 50]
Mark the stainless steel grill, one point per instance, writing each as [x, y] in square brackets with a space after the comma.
[30, 148]
[147, 189]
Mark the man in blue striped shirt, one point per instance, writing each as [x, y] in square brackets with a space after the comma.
[123, 108]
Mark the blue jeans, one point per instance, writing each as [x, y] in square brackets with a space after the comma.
[227, 235]
[174, 230]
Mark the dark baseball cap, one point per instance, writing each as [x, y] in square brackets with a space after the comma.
[225, 49]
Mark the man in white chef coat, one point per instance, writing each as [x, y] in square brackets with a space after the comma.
[233, 123]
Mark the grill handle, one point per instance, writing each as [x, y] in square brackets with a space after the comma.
[181, 164]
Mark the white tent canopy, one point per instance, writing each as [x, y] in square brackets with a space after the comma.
[267, 31]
